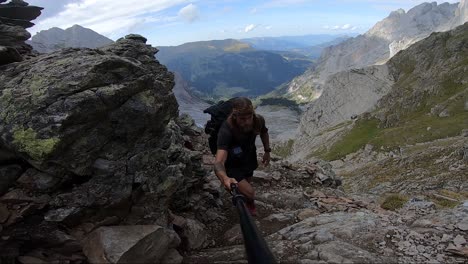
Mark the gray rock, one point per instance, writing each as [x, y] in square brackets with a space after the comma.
[306, 213]
[341, 252]
[262, 176]
[459, 240]
[444, 113]
[279, 217]
[464, 133]
[125, 244]
[172, 257]
[4, 213]
[463, 226]
[234, 234]
[8, 176]
[195, 233]
[136, 37]
[9, 55]
[35, 180]
[67, 215]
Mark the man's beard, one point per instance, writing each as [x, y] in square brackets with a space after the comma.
[246, 129]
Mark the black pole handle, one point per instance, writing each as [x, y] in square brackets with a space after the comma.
[255, 246]
[236, 195]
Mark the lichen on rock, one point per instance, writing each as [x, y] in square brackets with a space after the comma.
[28, 142]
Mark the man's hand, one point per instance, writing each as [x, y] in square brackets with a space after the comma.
[227, 183]
[266, 159]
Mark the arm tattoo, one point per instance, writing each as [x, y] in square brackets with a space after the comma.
[219, 167]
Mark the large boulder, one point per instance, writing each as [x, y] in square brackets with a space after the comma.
[127, 244]
[71, 106]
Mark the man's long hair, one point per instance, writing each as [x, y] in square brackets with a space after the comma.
[242, 106]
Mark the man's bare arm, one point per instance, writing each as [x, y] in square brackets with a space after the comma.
[265, 137]
[220, 170]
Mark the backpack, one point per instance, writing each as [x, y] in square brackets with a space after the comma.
[219, 113]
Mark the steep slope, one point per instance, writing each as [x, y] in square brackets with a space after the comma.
[428, 89]
[396, 32]
[189, 104]
[415, 138]
[53, 39]
[225, 68]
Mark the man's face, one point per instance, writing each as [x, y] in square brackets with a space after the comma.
[245, 122]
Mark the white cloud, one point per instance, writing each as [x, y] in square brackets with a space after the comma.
[113, 18]
[253, 10]
[189, 13]
[268, 27]
[340, 27]
[249, 28]
[346, 26]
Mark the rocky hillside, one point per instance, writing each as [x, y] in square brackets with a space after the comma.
[396, 32]
[225, 68]
[53, 39]
[413, 138]
[306, 217]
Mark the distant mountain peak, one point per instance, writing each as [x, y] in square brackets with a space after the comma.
[73, 37]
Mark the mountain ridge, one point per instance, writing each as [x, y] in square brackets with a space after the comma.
[390, 35]
[46, 41]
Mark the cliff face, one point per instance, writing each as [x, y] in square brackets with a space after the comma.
[396, 32]
[346, 95]
[74, 37]
[88, 135]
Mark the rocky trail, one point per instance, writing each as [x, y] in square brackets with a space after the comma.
[306, 217]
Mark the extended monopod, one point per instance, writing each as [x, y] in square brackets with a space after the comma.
[255, 246]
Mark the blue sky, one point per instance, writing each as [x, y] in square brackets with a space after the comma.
[173, 22]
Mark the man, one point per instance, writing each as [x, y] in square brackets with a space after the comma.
[236, 156]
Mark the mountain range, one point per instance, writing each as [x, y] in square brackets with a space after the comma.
[225, 68]
[309, 45]
[394, 33]
[46, 41]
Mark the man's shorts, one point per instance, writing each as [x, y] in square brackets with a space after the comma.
[239, 175]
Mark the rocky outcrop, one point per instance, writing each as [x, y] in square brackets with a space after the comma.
[346, 95]
[396, 32]
[91, 138]
[15, 17]
[53, 39]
